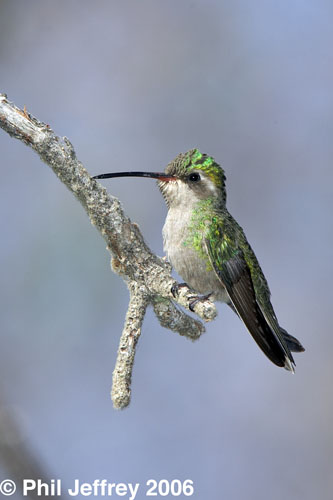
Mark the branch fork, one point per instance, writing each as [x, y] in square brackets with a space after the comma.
[148, 276]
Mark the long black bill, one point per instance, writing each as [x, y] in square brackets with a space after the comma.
[152, 175]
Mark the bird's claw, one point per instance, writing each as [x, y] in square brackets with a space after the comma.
[175, 288]
[175, 291]
[198, 299]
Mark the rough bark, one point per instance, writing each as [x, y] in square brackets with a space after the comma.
[148, 276]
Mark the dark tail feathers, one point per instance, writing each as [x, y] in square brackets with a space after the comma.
[292, 342]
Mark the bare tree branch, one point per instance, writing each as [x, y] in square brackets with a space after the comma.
[147, 274]
[122, 375]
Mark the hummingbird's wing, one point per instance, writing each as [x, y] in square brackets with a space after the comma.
[232, 270]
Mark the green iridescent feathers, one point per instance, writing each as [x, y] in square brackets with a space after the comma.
[210, 219]
[206, 222]
[194, 160]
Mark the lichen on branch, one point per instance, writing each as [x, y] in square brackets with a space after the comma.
[148, 276]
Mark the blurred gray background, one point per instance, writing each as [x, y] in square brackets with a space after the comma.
[132, 84]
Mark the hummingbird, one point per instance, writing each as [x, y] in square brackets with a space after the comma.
[209, 250]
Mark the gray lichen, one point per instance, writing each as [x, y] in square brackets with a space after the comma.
[148, 276]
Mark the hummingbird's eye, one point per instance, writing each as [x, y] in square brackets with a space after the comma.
[195, 177]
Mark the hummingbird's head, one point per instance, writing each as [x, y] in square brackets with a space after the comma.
[192, 176]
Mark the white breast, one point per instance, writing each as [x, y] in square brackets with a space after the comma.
[184, 259]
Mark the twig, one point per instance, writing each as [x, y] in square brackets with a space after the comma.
[122, 374]
[132, 258]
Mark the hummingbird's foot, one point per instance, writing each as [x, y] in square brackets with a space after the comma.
[175, 288]
[198, 299]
